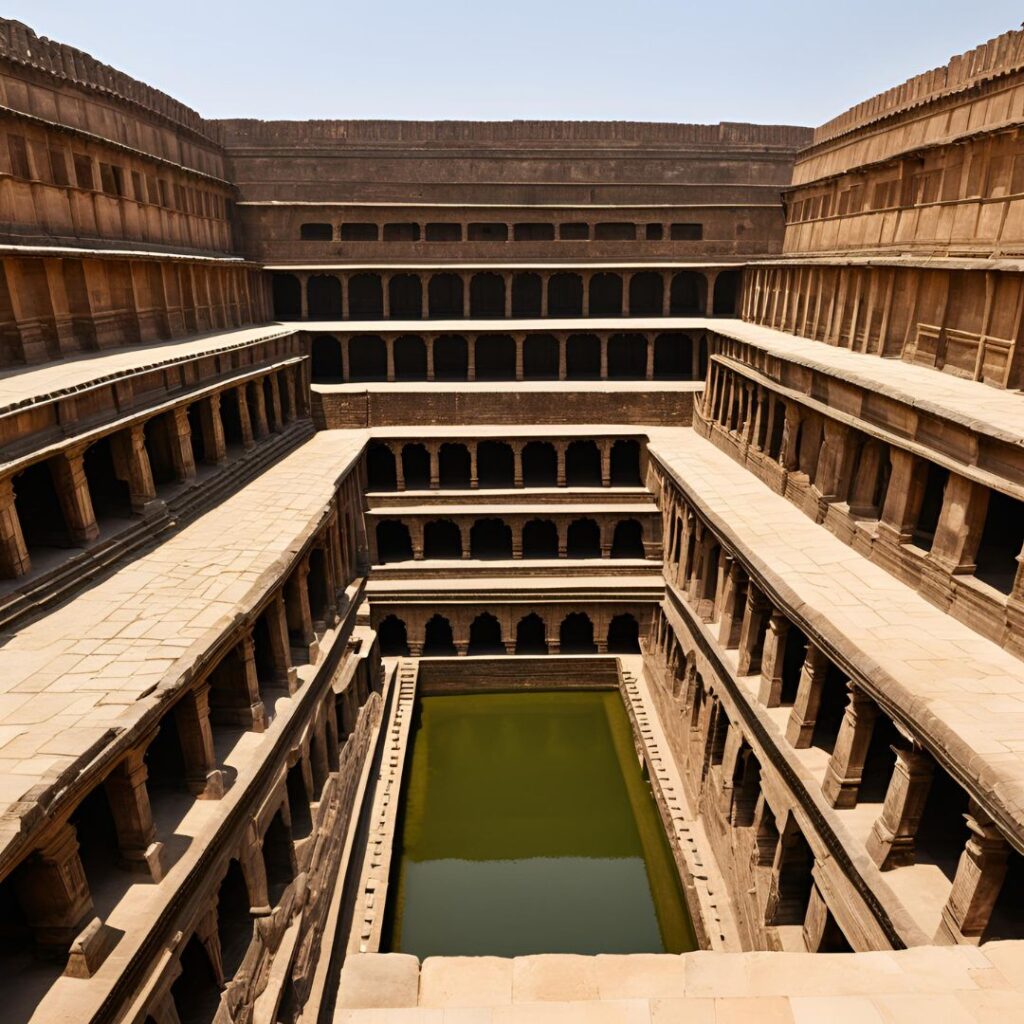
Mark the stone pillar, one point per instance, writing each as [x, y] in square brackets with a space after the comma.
[751, 641]
[245, 421]
[517, 455]
[649, 366]
[891, 843]
[603, 341]
[192, 717]
[280, 647]
[129, 805]
[434, 453]
[429, 345]
[979, 877]
[416, 538]
[958, 533]
[179, 443]
[865, 481]
[131, 463]
[520, 340]
[562, 371]
[789, 455]
[14, 559]
[54, 893]
[734, 596]
[845, 768]
[389, 345]
[300, 618]
[474, 479]
[804, 715]
[560, 449]
[277, 419]
[903, 498]
[605, 448]
[254, 869]
[772, 660]
[68, 473]
[215, 450]
[259, 411]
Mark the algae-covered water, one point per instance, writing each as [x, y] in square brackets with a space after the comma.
[527, 827]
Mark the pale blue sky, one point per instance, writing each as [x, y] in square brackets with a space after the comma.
[783, 61]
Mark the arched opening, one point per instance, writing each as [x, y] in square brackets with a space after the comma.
[628, 539]
[583, 464]
[583, 539]
[444, 295]
[531, 637]
[576, 634]
[495, 464]
[451, 357]
[526, 295]
[298, 803]
[405, 297]
[323, 297]
[540, 357]
[326, 359]
[606, 295]
[686, 297]
[438, 641]
[287, 295]
[673, 357]
[99, 850]
[165, 760]
[195, 991]
[487, 295]
[279, 857]
[540, 464]
[367, 358]
[234, 922]
[38, 509]
[623, 635]
[416, 467]
[365, 297]
[565, 295]
[485, 635]
[583, 357]
[627, 357]
[495, 357]
[111, 497]
[393, 542]
[316, 232]
[540, 539]
[410, 358]
[380, 468]
[727, 286]
[442, 539]
[453, 466]
[490, 539]
[645, 294]
[394, 641]
[625, 464]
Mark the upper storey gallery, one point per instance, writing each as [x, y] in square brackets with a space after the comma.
[932, 166]
[328, 192]
[90, 157]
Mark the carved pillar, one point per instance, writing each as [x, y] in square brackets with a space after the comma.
[14, 559]
[517, 455]
[751, 642]
[560, 449]
[804, 715]
[520, 340]
[474, 479]
[54, 893]
[215, 450]
[606, 463]
[389, 345]
[245, 421]
[433, 451]
[903, 498]
[192, 717]
[254, 869]
[259, 411]
[866, 480]
[845, 769]
[131, 463]
[772, 660]
[300, 618]
[133, 819]
[562, 371]
[276, 417]
[979, 877]
[179, 443]
[280, 649]
[734, 599]
[68, 473]
[891, 843]
[958, 533]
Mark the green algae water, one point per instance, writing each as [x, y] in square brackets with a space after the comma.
[527, 827]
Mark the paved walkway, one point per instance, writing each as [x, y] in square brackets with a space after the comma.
[25, 385]
[946, 985]
[72, 680]
[987, 409]
[962, 691]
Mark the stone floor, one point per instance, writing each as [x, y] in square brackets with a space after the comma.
[74, 679]
[945, 985]
[963, 692]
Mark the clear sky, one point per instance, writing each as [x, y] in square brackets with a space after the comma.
[776, 61]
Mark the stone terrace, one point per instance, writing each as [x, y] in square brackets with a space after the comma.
[76, 679]
[956, 985]
[961, 690]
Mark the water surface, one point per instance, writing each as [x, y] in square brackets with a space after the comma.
[527, 827]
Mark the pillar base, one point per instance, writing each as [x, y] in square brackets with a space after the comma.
[147, 862]
[889, 851]
[207, 787]
[90, 948]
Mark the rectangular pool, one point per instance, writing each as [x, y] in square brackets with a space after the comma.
[528, 827]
